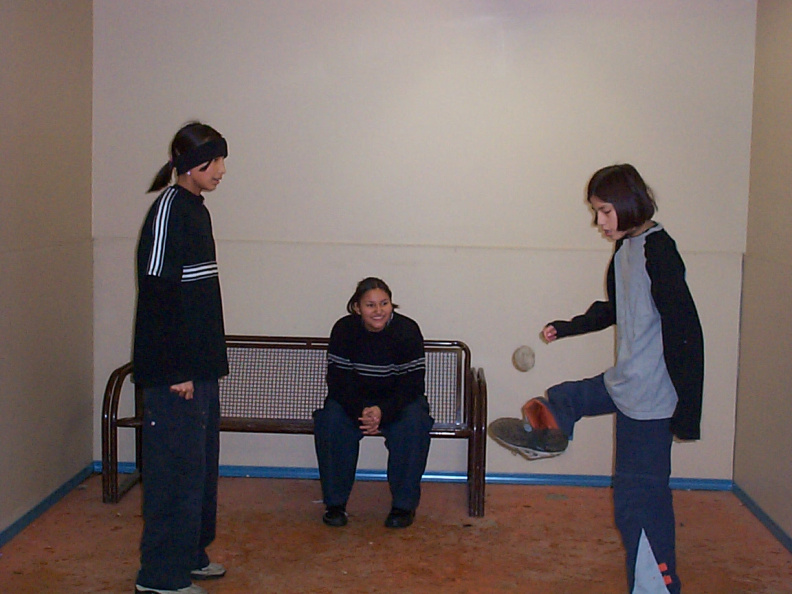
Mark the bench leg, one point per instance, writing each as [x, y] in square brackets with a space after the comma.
[477, 444]
[476, 474]
[137, 474]
[112, 491]
[109, 464]
[112, 487]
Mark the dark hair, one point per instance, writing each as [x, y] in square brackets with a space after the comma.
[363, 287]
[189, 137]
[624, 188]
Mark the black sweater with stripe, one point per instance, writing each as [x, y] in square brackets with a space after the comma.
[385, 368]
[683, 340]
[179, 331]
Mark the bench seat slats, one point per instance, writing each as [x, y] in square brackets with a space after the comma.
[241, 424]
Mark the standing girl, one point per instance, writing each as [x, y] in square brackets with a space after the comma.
[179, 355]
[655, 388]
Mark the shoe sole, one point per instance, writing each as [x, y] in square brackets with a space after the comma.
[526, 453]
[340, 523]
[214, 576]
[400, 522]
[511, 434]
[145, 590]
[213, 571]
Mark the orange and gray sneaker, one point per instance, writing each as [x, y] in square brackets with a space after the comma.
[536, 435]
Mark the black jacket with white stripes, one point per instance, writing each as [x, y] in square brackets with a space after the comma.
[385, 368]
[179, 331]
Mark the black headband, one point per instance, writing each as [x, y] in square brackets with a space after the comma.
[202, 153]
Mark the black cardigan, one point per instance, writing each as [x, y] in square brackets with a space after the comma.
[683, 340]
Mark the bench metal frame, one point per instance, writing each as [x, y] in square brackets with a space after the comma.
[457, 395]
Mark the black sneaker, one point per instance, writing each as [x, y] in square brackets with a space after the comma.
[399, 518]
[191, 589]
[531, 444]
[335, 516]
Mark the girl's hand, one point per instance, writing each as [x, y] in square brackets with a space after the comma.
[370, 420]
[549, 333]
[184, 390]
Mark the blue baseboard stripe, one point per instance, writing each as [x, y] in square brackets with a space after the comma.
[585, 480]
[774, 528]
[17, 527]
[558, 480]
[313, 473]
[694, 484]
[269, 472]
[569, 480]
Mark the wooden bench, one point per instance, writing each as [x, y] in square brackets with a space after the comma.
[275, 384]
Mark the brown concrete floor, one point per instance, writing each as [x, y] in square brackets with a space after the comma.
[553, 540]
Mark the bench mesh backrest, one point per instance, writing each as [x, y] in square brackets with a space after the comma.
[443, 387]
[274, 383]
[289, 383]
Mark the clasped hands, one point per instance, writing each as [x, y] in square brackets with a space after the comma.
[370, 420]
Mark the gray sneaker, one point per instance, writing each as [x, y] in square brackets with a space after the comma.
[534, 444]
[191, 589]
[210, 572]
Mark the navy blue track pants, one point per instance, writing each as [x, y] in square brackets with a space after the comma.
[181, 448]
[643, 506]
[337, 439]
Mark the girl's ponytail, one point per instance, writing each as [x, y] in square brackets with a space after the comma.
[163, 177]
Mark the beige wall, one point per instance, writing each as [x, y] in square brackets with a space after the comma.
[441, 146]
[763, 445]
[46, 350]
[445, 147]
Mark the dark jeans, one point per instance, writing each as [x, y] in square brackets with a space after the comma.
[181, 448]
[642, 499]
[337, 438]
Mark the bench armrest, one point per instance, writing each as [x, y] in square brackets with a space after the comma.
[111, 491]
